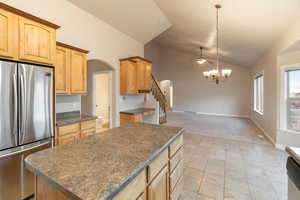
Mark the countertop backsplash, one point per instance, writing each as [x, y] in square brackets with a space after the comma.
[68, 103]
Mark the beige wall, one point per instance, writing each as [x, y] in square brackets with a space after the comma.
[270, 63]
[192, 92]
[81, 29]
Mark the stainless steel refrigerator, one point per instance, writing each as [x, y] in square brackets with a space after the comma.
[26, 123]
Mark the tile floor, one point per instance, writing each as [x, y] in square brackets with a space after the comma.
[227, 159]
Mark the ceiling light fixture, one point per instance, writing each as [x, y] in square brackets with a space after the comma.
[217, 75]
[201, 60]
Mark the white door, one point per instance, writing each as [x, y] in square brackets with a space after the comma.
[102, 98]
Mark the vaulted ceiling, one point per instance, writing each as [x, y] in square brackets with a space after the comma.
[247, 27]
[140, 19]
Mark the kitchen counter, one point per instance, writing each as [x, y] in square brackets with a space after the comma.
[67, 118]
[294, 152]
[100, 166]
[138, 111]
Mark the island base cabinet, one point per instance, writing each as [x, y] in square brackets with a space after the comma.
[158, 188]
[44, 191]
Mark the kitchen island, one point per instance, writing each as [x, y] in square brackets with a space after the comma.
[137, 161]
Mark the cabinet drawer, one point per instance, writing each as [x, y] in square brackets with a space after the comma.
[158, 164]
[87, 132]
[177, 190]
[134, 189]
[176, 175]
[65, 130]
[176, 145]
[176, 159]
[70, 138]
[88, 124]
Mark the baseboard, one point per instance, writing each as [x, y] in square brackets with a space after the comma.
[212, 114]
[265, 133]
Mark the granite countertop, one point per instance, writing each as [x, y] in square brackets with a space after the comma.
[67, 118]
[137, 111]
[294, 152]
[98, 167]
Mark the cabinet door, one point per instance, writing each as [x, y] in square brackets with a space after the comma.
[141, 71]
[37, 41]
[7, 34]
[131, 78]
[158, 189]
[78, 72]
[62, 70]
[148, 72]
[128, 77]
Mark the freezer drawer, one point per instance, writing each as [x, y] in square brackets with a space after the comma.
[36, 103]
[16, 182]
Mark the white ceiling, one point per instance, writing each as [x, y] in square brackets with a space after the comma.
[141, 19]
[248, 27]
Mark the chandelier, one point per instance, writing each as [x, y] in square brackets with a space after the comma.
[216, 75]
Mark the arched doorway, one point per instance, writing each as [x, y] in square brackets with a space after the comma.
[99, 100]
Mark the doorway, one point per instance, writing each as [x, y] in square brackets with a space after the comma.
[102, 99]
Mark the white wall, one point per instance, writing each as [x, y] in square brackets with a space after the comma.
[271, 64]
[192, 92]
[83, 30]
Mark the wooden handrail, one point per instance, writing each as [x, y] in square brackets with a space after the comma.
[157, 86]
[161, 98]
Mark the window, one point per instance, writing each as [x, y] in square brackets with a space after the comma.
[293, 99]
[259, 94]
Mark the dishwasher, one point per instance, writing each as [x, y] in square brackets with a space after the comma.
[293, 171]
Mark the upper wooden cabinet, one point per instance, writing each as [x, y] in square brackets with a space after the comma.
[128, 80]
[62, 68]
[7, 28]
[135, 75]
[37, 41]
[78, 72]
[26, 37]
[70, 69]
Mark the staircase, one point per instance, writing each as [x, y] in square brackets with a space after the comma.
[160, 97]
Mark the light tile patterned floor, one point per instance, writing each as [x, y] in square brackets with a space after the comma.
[225, 159]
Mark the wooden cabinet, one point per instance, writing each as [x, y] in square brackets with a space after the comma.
[70, 133]
[130, 118]
[7, 34]
[128, 80]
[144, 69]
[70, 69]
[62, 68]
[88, 128]
[164, 177]
[134, 189]
[158, 188]
[25, 37]
[135, 75]
[37, 41]
[78, 72]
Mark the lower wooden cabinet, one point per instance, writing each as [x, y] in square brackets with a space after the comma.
[71, 133]
[158, 188]
[162, 182]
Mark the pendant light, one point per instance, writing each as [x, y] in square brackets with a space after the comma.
[201, 60]
[216, 75]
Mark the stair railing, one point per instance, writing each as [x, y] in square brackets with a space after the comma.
[161, 98]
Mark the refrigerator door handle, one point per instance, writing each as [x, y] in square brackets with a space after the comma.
[15, 129]
[22, 108]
